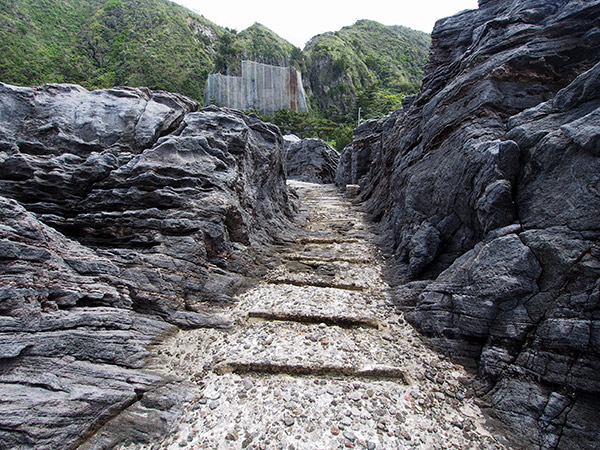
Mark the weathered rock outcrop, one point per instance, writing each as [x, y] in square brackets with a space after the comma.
[72, 363]
[311, 160]
[124, 215]
[487, 184]
[363, 155]
[344, 67]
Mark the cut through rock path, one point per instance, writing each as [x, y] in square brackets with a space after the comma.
[319, 359]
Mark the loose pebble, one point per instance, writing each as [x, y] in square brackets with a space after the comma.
[288, 421]
[232, 435]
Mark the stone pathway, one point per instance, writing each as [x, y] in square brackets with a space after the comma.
[318, 359]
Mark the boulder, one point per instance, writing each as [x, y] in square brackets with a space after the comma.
[311, 160]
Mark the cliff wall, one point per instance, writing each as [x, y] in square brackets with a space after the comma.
[261, 87]
[486, 187]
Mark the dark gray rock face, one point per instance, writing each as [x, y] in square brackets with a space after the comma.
[360, 155]
[175, 213]
[487, 185]
[124, 216]
[311, 160]
[71, 363]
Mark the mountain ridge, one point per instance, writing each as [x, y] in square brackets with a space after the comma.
[162, 45]
[352, 67]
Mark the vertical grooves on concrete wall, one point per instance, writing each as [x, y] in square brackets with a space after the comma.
[261, 86]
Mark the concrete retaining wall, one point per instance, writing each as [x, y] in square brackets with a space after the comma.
[262, 87]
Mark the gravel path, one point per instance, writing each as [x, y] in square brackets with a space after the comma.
[318, 359]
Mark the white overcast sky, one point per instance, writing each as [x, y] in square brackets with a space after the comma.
[298, 21]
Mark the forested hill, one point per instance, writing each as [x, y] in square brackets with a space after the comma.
[101, 43]
[255, 43]
[159, 44]
[369, 63]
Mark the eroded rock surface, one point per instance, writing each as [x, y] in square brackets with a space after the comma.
[124, 216]
[69, 342]
[486, 183]
[311, 160]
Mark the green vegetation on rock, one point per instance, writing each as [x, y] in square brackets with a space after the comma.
[161, 45]
[367, 65]
[256, 43]
[311, 124]
[102, 43]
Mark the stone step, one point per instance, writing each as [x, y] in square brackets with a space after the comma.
[380, 373]
[342, 321]
[330, 205]
[350, 250]
[317, 283]
[325, 266]
[326, 275]
[316, 301]
[338, 227]
[327, 240]
[343, 220]
[293, 343]
[324, 260]
[317, 200]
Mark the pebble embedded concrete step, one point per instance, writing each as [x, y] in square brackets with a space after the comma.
[327, 241]
[317, 283]
[313, 300]
[318, 260]
[380, 373]
[334, 253]
[340, 321]
[332, 275]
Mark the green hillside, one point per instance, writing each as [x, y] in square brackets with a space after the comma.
[159, 44]
[102, 43]
[256, 43]
[368, 65]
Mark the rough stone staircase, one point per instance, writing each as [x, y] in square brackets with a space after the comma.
[319, 359]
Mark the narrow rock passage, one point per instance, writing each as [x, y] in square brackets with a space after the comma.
[318, 359]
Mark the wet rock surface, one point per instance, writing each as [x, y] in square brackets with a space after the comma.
[485, 183]
[311, 160]
[319, 358]
[124, 215]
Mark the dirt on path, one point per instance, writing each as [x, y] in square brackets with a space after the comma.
[318, 358]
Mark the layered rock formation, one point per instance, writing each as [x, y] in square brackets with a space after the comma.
[124, 216]
[486, 184]
[311, 160]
